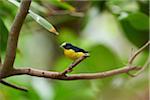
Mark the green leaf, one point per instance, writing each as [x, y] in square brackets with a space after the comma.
[139, 21]
[3, 35]
[40, 20]
[63, 5]
[43, 22]
[136, 36]
[101, 59]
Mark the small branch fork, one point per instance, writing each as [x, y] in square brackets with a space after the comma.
[7, 70]
[137, 53]
[71, 66]
[14, 35]
[7, 67]
[131, 59]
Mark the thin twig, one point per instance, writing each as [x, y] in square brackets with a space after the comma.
[71, 66]
[131, 59]
[132, 51]
[53, 12]
[13, 36]
[75, 14]
[130, 74]
[13, 86]
[142, 69]
[138, 52]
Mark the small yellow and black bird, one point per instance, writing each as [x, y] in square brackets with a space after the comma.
[73, 52]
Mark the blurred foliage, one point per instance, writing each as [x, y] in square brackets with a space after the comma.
[62, 4]
[37, 48]
[3, 35]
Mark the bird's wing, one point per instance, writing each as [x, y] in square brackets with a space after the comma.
[79, 49]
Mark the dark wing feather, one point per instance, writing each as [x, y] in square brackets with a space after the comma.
[76, 49]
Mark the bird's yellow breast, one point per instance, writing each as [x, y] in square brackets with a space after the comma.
[72, 54]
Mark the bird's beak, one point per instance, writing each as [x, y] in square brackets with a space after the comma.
[61, 46]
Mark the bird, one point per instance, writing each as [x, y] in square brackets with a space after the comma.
[73, 52]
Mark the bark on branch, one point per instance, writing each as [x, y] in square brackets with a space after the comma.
[12, 43]
[59, 76]
[13, 36]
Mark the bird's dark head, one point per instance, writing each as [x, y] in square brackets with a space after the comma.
[66, 45]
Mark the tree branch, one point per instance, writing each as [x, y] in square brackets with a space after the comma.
[59, 76]
[13, 86]
[13, 36]
[71, 66]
